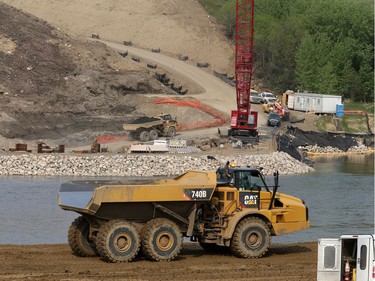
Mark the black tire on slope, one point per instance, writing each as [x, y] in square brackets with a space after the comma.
[153, 134]
[78, 238]
[251, 238]
[144, 136]
[118, 241]
[161, 240]
[171, 132]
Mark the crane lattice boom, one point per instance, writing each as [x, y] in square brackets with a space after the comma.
[243, 119]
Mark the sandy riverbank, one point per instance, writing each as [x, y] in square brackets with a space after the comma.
[289, 262]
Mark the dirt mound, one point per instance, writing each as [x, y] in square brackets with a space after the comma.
[54, 84]
[176, 27]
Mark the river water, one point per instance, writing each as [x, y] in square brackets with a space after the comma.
[339, 194]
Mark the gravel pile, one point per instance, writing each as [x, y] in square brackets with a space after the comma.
[360, 148]
[139, 165]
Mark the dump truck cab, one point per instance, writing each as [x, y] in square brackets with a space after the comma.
[242, 194]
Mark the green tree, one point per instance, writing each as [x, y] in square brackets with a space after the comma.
[312, 55]
[343, 67]
[319, 46]
[227, 16]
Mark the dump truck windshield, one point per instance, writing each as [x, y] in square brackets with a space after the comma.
[241, 178]
[244, 180]
[167, 117]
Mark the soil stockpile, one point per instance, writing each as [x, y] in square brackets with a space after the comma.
[291, 262]
[54, 84]
[175, 27]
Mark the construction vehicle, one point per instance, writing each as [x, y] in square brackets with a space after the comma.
[243, 120]
[239, 212]
[276, 107]
[150, 128]
[348, 258]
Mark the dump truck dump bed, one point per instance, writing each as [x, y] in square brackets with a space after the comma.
[146, 125]
[136, 199]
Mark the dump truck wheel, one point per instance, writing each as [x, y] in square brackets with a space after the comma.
[251, 238]
[78, 238]
[144, 136]
[154, 135]
[161, 240]
[118, 241]
[171, 132]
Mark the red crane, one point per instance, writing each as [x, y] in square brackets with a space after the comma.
[243, 120]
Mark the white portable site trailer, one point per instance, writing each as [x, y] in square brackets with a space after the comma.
[350, 257]
[317, 103]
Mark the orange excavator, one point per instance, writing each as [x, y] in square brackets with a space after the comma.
[279, 109]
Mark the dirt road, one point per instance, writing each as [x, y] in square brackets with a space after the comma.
[215, 93]
[292, 262]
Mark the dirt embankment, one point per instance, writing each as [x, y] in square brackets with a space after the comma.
[292, 262]
[56, 85]
[175, 26]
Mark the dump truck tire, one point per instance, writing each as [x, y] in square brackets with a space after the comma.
[144, 136]
[154, 135]
[251, 238]
[171, 132]
[161, 240]
[78, 238]
[118, 241]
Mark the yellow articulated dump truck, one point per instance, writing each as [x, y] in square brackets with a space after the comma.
[151, 128]
[233, 208]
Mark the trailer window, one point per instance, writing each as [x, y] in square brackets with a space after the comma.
[363, 262]
[329, 257]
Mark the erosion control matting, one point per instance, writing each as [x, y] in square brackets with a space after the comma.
[295, 137]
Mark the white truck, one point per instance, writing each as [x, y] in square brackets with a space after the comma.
[348, 258]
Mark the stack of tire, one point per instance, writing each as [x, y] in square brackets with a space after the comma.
[227, 79]
[162, 77]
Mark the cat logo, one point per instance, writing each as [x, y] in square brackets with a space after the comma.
[250, 199]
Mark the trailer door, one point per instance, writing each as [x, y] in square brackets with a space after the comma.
[329, 255]
[363, 257]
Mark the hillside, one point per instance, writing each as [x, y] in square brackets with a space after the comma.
[174, 26]
[55, 85]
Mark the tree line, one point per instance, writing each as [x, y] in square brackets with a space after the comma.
[319, 46]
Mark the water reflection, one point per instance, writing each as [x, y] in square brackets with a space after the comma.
[347, 164]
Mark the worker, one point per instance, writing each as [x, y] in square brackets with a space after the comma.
[245, 183]
[232, 164]
[278, 99]
[227, 173]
